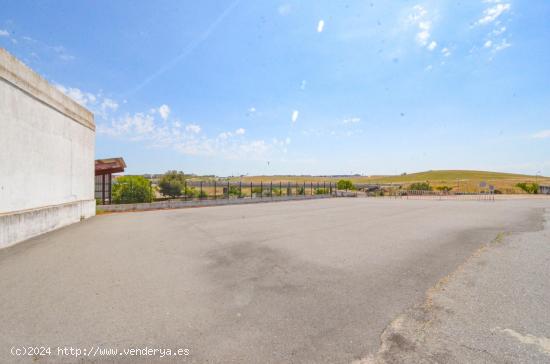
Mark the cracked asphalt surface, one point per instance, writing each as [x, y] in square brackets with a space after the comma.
[307, 281]
[493, 309]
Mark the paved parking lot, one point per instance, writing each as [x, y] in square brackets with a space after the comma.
[305, 281]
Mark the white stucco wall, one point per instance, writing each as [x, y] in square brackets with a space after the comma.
[46, 155]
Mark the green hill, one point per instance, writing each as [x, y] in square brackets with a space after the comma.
[453, 175]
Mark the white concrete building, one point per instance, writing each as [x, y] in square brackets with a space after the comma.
[46, 155]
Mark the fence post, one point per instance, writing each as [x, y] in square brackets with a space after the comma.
[271, 189]
[200, 194]
[240, 188]
[311, 188]
[288, 189]
[184, 189]
[103, 189]
[250, 189]
[261, 189]
[215, 191]
[228, 190]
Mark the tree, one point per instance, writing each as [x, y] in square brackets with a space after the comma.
[345, 184]
[132, 189]
[172, 184]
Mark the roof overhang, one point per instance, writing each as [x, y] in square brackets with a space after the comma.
[109, 166]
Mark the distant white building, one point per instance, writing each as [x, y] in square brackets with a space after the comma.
[46, 155]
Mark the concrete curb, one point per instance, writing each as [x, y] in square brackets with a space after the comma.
[178, 204]
[22, 225]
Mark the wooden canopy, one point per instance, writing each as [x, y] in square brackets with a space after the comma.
[104, 169]
[109, 166]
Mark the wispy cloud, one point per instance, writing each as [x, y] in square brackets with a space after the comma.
[498, 31]
[164, 111]
[347, 127]
[193, 128]
[493, 12]
[423, 23]
[544, 134]
[332, 132]
[493, 15]
[62, 53]
[294, 116]
[496, 45]
[85, 99]
[352, 120]
[109, 105]
[99, 104]
[190, 140]
[36, 47]
[320, 26]
[502, 45]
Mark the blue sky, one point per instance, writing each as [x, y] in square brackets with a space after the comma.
[300, 87]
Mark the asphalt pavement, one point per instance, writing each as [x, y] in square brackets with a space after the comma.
[320, 281]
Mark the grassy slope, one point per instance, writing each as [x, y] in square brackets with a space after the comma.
[451, 175]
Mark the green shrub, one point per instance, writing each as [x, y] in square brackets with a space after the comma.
[444, 188]
[190, 192]
[132, 189]
[301, 190]
[345, 184]
[234, 191]
[531, 188]
[420, 186]
[172, 184]
[321, 191]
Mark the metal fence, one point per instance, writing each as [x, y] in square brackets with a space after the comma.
[213, 190]
[440, 195]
